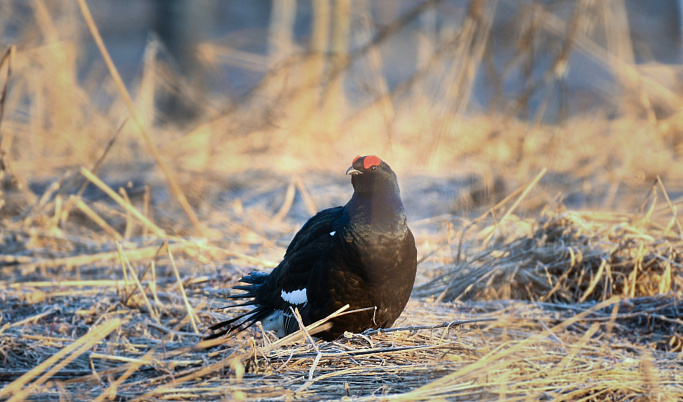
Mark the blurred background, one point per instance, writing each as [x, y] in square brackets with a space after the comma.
[467, 100]
[226, 47]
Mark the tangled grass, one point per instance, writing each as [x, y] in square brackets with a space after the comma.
[572, 257]
[91, 319]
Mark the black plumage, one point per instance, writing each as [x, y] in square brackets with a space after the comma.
[362, 254]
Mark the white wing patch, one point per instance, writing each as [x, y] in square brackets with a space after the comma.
[295, 297]
[333, 232]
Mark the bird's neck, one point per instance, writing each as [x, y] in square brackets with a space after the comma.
[381, 208]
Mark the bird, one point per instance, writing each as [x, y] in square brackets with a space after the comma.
[362, 254]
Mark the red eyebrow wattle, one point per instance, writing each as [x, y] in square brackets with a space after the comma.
[370, 161]
[355, 159]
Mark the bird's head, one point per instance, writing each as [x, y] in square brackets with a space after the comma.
[370, 175]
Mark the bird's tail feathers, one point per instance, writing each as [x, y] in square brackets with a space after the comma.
[249, 303]
[249, 291]
[240, 323]
[255, 277]
[254, 280]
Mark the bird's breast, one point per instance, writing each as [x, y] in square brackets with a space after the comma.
[375, 254]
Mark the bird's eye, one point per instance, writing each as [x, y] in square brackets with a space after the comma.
[374, 168]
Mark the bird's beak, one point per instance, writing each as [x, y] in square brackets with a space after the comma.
[353, 171]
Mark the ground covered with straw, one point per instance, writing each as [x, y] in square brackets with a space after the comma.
[568, 306]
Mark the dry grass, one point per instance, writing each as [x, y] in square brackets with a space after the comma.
[571, 257]
[120, 232]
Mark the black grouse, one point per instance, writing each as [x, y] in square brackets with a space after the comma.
[362, 254]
